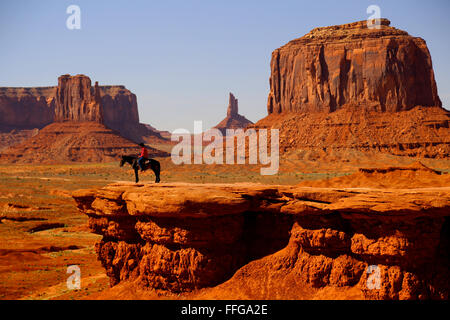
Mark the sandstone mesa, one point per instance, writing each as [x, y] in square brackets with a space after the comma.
[85, 123]
[350, 64]
[74, 99]
[349, 88]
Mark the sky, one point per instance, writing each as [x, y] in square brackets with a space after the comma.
[182, 58]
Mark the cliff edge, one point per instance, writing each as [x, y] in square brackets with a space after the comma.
[253, 241]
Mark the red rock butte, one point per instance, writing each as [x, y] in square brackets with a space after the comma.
[80, 122]
[330, 67]
[349, 88]
[74, 99]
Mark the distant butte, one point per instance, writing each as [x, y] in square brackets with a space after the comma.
[87, 124]
[233, 119]
[74, 99]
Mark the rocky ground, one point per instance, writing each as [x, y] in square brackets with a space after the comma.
[42, 231]
[420, 131]
[10, 137]
[254, 241]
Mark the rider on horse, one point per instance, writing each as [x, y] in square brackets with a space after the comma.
[143, 156]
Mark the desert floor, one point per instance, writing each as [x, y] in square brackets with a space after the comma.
[42, 232]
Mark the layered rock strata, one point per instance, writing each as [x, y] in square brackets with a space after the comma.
[182, 237]
[77, 100]
[330, 67]
[74, 99]
[26, 108]
[348, 89]
[420, 132]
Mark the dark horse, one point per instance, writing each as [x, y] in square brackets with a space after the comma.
[149, 163]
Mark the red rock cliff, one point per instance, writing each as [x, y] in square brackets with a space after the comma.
[119, 106]
[351, 64]
[120, 112]
[76, 100]
[25, 108]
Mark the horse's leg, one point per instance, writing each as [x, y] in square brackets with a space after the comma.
[135, 167]
[136, 174]
[156, 169]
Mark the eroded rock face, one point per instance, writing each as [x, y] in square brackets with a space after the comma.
[180, 237]
[13, 137]
[349, 89]
[26, 108]
[233, 108]
[77, 100]
[86, 123]
[384, 69]
[74, 99]
[120, 110]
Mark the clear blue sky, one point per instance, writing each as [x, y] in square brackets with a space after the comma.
[181, 58]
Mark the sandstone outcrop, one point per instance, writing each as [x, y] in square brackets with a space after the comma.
[89, 124]
[233, 119]
[384, 69]
[233, 107]
[252, 241]
[77, 100]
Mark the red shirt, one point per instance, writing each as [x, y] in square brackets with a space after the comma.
[144, 152]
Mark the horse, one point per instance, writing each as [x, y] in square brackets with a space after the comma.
[149, 163]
